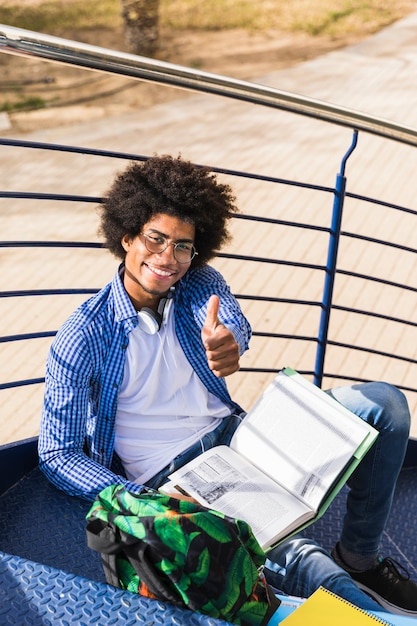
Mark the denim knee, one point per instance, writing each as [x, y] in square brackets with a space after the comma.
[380, 404]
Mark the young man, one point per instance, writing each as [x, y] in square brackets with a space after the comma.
[135, 381]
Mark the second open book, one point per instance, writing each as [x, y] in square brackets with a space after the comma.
[287, 460]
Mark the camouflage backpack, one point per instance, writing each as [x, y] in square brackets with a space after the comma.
[179, 552]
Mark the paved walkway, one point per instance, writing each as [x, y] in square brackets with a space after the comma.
[376, 76]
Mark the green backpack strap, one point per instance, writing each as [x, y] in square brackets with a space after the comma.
[101, 537]
[105, 538]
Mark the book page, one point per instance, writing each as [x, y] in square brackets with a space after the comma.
[220, 479]
[300, 437]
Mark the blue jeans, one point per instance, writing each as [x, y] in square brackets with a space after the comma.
[299, 566]
[219, 436]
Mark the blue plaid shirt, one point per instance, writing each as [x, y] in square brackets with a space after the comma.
[85, 370]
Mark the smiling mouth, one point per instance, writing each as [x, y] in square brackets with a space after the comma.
[159, 271]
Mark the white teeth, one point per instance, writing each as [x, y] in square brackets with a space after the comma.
[160, 272]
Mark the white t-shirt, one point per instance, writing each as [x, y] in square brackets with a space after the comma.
[163, 407]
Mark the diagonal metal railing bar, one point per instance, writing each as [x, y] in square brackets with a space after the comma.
[56, 147]
[28, 43]
[22, 383]
[388, 205]
[382, 281]
[51, 244]
[36, 195]
[338, 344]
[27, 336]
[361, 379]
[381, 316]
[259, 259]
[397, 357]
[47, 292]
[380, 242]
[21, 143]
[270, 220]
[261, 298]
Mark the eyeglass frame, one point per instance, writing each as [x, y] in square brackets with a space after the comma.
[145, 238]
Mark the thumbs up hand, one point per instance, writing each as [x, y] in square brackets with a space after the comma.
[221, 348]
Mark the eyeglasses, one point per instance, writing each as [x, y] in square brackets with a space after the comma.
[184, 252]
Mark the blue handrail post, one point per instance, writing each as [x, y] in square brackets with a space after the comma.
[326, 305]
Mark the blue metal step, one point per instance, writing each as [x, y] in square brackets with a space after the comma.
[39, 595]
[54, 578]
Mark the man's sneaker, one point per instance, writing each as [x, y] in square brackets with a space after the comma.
[386, 584]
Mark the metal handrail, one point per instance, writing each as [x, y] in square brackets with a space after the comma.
[19, 41]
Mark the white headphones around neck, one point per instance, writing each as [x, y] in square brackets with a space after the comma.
[150, 321]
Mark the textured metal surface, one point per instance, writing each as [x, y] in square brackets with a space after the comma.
[47, 526]
[34, 505]
[39, 595]
[54, 578]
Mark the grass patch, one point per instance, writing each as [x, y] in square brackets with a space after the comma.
[214, 14]
[28, 104]
[348, 16]
[310, 16]
[56, 17]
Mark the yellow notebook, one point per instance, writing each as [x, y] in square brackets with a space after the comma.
[324, 608]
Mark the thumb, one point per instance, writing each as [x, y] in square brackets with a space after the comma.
[212, 320]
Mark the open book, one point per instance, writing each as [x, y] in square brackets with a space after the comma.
[287, 460]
